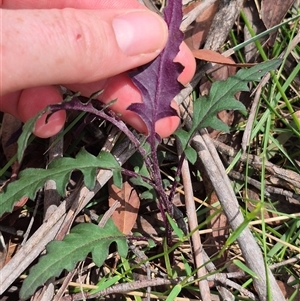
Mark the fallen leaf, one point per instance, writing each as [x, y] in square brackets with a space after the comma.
[17, 206]
[272, 13]
[253, 199]
[287, 290]
[250, 10]
[125, 215]
[196, 33]
[219, 226]
[10, 125]
[215, 57]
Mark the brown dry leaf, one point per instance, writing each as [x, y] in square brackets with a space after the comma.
[3, 255]
[150, 225]
[254, 198]
[252, 14]
[220, 231]
[272, 13]
[17, 206]
[125, 216]
[287, 290]
[11, 251]
[215, 57]
[10, 125]
[217, 73]
[195, 34]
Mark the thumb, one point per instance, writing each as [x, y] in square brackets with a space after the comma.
[67, 46]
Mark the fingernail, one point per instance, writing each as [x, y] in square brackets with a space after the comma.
[140, 32]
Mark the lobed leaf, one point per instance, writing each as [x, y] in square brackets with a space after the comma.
[221, 97]
[157, 80]
[82, 240]
[32, 179]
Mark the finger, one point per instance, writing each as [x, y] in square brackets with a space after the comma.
[186, 58]
[76, 46]
[125, 92]
[27, 103]
[121, 89]
[82, 4]
[22, 104]
[30, 104]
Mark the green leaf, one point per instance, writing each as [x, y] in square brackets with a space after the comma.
[175, 228]
[82, 240]
[237, 232]
[191, 154]
[183, 137]
[175, 292]
[141, 169]
[27, 130]
[32, 179]
[187, 267]
[139, 164]
[244, 268]
[148, 195]
[105, 283]
[221, 97]
[117, 178]
[168, 265]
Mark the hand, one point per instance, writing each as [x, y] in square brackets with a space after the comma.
[84, 45]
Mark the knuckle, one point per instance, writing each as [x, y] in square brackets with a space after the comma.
[81, 35]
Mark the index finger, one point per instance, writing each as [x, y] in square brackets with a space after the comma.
[82, 4]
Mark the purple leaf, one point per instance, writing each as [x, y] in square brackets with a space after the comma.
[157, 80]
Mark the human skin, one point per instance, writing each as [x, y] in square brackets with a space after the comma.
[84, 45]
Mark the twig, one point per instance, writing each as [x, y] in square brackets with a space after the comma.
[227, 282]
[123, 288]
[251, 252]
[64, 285]
[32, 249]
[51, 196]
[157, 297]
[28, 230]
[107, 215]
[250, 120]
[193, 224]
[284, 243]
[140, 255]
[190, 17]
[51, 202]
[222, 23]
[255, 161]
[285, 262]
[268, 189]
